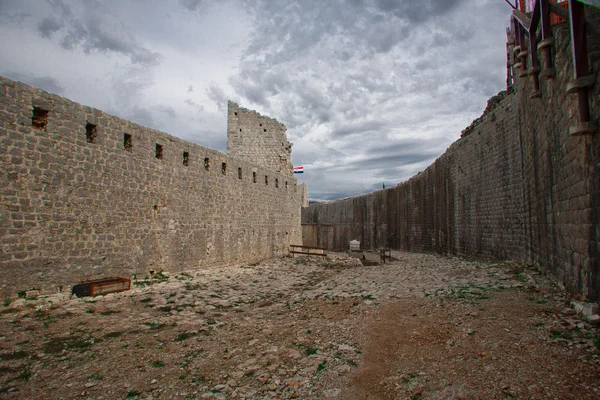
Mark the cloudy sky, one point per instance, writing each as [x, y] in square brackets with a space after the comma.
[371, 91]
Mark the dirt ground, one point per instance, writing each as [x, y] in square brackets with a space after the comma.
[420, 327]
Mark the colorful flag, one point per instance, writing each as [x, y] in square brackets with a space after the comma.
[299, 170]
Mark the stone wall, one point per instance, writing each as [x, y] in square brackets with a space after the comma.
[251, 136]
[85, 194]
[515, 186]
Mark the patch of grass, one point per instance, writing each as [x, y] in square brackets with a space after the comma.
[24, 374]
[132, 394]
[6, 302]
[158, 364]
[113, 334]
[17, 355]
[94, 377]
[322, 366]
[560, 334]
[310, 350]
[596, 341]
[154, 326]
[538, 301]
[57, 345]
[185, 336]
[109, 312]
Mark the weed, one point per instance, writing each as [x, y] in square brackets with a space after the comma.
[154, 326]
[322, 366]
[17, 355]
[6, 302]
[94, 377]
[113, 334]
[539, 324]
[108, 312]
[538, 301]
[132, 394]
[597, 341]
[57, 345]
[158, 364]
[559, 334]
[184, 336]
[24, 374]
[310, 351]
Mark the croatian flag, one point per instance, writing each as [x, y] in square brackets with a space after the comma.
[299, 170]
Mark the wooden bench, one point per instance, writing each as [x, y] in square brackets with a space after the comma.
[307, 250]
[385, 254]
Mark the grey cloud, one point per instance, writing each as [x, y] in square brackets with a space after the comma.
[142, 116]
[43, 82]
[193, 104]
[95, 29]
[417, 11]
[169, 111]
[358, 128]
[218, 97]
[48, 26]
[191, 5]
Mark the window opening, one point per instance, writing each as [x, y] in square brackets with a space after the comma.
[91, 132]
[39, 120]
[127, 141]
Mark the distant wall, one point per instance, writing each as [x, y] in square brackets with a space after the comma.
[515, 186]
[468, 201]
[72, 210]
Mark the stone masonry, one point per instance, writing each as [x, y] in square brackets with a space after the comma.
[259, 139]
[516, 185]
[85, 194]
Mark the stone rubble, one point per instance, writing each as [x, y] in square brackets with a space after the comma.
[284, 328]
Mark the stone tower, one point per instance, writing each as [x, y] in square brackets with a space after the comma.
[258, 139]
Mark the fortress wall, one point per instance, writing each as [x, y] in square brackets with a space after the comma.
[468, 201]
[515, 186]
[72, 210]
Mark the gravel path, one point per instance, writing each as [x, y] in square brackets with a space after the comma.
[421, 327]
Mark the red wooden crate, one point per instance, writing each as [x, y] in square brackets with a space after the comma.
[101, 286]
